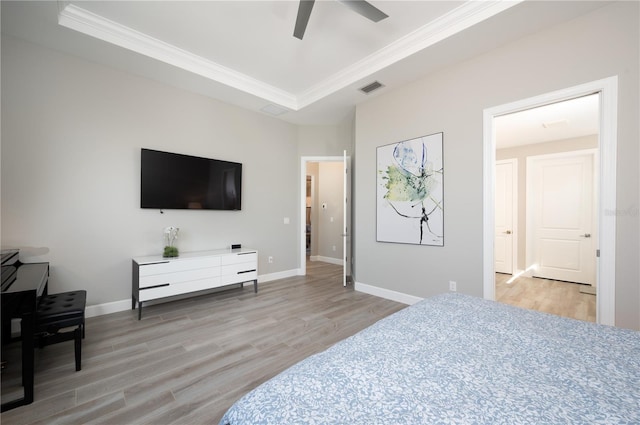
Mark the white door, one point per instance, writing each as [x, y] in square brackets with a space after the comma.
[346, 218]
[504, 216]
[561, 204]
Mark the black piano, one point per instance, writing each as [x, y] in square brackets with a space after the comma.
[22, 286]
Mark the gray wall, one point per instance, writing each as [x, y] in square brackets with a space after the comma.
[330, 219]
[598, 45]
[326, 233]
[71, 137]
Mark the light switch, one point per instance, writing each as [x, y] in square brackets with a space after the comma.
[286, 220]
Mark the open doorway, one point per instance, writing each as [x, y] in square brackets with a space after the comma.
[545, 185]
[605, 180]
[325, 213]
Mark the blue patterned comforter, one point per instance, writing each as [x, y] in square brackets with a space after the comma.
[456, 359]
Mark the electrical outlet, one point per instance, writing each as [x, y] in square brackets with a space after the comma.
[334, 247]
[452, 286]
[270, 259]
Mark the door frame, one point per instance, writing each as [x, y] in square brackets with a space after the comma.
[606, 170]
[304, 160]
[514, 209]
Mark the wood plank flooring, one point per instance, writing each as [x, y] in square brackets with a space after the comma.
[550, 296]
[187, 361]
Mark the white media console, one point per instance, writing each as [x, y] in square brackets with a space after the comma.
[156, 277]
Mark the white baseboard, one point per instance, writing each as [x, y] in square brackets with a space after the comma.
[278, 275]
[330, 260]
[107, 308]
[122, 305]
[387, 293]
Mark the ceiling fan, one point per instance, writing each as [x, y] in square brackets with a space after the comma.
[361, 7]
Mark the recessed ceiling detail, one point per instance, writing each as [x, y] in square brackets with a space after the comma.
[462, 17]
[361, 7]
[89, 23]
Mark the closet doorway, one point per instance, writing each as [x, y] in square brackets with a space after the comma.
[325, 214]
[604, 182]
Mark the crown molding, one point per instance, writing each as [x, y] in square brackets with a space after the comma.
[468, 14]
[81, 20]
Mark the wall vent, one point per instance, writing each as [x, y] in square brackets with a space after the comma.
[371, 87]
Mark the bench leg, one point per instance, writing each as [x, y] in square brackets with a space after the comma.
[78, 347]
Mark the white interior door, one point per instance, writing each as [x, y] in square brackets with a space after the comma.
[504, 215]
[346, 218]
[561, 204]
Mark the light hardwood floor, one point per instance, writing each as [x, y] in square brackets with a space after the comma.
[550, 296]
[187, 361]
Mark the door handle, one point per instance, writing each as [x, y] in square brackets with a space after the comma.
[507, 232]
[586, 235]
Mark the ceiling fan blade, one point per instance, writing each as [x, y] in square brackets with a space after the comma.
[304, 11]
[365, 9]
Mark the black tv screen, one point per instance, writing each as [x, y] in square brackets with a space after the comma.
[175, 181]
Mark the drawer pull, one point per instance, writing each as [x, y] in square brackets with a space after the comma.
[155, 286]
[247, 271]
[245, 253]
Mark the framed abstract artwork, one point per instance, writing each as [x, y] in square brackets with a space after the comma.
[410, 192]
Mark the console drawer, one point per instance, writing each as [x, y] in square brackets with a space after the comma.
[234, 269]
[168, 290]
[179, 276]
[239, 277]
[250, 257]
[176, 265]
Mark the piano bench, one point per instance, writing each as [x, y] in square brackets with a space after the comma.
[61, 311]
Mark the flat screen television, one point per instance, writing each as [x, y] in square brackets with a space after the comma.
[175, 181]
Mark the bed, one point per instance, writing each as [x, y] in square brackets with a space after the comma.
[458, 359]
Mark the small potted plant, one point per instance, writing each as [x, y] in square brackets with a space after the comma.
[170, 236]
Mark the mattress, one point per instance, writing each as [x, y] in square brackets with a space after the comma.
[458, 359]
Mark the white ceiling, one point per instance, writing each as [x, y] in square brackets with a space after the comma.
[244, 53]
[557, 121]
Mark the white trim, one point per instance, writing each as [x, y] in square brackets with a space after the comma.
[606, 273]
[468, 14]
[107, 308]
[387, 293]
[330, 260]
[278, 275]
[89, 23]
[345, 207]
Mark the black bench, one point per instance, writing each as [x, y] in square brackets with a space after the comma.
[60, 311]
